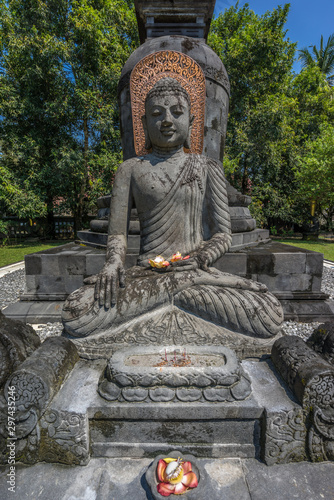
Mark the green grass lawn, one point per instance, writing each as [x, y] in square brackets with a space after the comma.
[322, 246]
[9, 254]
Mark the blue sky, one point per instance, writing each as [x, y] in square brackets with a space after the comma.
[307, 20]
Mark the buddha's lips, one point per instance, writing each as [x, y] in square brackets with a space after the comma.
[168, 132]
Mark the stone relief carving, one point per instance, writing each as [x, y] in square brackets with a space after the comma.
[65, 437]
[17, 342]
[311, 378]
[285, 437]
[221, 378]
[218, 76]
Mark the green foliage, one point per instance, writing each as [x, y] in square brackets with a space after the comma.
[315, 172]
[60, 62]
[273, 112]
[258, 60]
[19, 199]
[323, 58]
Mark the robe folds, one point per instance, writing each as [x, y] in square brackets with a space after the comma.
[192, 218]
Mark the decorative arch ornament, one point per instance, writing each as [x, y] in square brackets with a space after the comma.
[152, 68]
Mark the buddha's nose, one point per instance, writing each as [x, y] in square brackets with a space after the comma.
[167, 120]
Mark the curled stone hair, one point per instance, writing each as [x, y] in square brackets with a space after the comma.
[168, 85]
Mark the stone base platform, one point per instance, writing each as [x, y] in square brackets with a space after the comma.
[292, 274]
[239, 240]
[79, 424]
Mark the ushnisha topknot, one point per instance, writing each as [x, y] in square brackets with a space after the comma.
[168, 85]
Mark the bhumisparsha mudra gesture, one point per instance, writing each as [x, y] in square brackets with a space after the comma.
[183, 209]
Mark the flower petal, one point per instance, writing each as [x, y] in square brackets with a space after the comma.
[168, 460]
[186, 466]
[186, 257]
[190, 480]
[180, 488]
[161, 469]
[177, 256]
[165, 489]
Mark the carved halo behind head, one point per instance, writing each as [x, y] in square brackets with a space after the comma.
[188, 75]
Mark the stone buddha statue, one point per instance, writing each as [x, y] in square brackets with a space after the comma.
[182, 207]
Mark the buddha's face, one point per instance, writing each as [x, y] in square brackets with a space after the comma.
[167, 120]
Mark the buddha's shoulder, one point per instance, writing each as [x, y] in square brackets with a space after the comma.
[206, 161]
[127, 166]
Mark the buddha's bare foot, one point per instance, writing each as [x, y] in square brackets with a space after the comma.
[231, 281]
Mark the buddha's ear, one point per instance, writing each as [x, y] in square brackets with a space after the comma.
[148, 143]
[187, 142]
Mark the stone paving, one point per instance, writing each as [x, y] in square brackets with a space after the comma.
[124, 479]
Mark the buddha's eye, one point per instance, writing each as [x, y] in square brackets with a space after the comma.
[177, 111]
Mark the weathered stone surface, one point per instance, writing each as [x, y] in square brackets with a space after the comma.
[285, 437]
[286, 263]
[214, 72]
[38, 379]
[17, 342]
[175, 326]
[303, 369]
[311, 378]
[64, 438]
[284, 430]
[124, 478]
[138, 429]
[118, 296]
[205, 373]
[35, 312]
[299, 481]
[322, 341]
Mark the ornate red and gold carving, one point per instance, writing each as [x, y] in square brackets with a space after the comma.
[187, 72]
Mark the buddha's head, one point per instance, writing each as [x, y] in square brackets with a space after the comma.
[167, 122]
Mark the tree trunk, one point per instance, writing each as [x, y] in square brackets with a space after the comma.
[50, 222]
[79, 209]
[244, 184]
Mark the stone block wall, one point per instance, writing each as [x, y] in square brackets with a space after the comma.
[286, 270]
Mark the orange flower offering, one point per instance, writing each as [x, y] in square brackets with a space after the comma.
[177, 256]
[175, 477]
[159, 262]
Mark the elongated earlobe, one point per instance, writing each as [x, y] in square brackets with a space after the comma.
[187, 142]
[148, 143]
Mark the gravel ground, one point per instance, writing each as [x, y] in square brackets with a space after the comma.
[12, 285]
[327, 284]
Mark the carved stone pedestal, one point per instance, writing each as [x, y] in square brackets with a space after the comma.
[79, 423]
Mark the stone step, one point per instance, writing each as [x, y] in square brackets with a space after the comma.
[242, 429]
[239, 240]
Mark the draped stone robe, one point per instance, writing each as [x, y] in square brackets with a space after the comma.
[193, 217]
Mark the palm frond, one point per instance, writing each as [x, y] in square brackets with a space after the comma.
[305, 57]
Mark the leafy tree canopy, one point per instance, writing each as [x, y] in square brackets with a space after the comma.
[272, 111]
[323, 58]
[60, 62]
